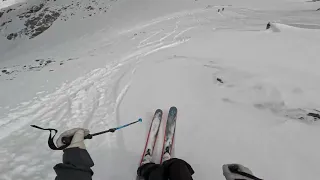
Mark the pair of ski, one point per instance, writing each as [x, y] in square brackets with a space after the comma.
[153, 134]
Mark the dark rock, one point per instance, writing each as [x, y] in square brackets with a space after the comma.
[268, 25]
[48, 62]
[51, 70]
[1, 13]
[38, 31]
[61, 63]
[315, 115]
[219, 80]
[90, 8]
[65, 8]
[4, 23]
[12, 36]
[317, 10]
[9, 10]
[35, 8]
[6, 71]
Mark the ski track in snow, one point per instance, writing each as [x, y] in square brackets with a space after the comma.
[86, 102]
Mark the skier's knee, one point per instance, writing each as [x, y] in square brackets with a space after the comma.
[146, 169]
[176, 163]
[156, 174]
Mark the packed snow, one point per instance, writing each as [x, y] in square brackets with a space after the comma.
[245, 94]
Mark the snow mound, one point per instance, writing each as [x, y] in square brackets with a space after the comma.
[7, 3]
[293, 27]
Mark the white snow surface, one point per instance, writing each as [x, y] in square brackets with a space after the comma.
[144, 55]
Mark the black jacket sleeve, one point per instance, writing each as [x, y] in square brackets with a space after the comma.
[76, 165]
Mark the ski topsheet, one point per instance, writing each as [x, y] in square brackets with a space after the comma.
[169, 134]
[152, 137]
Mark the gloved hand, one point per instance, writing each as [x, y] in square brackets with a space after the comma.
[77, 140]
[230, 175]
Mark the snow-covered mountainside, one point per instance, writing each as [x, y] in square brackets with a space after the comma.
[243, 75]
[31, 18]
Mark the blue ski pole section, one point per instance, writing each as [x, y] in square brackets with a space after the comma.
[120, 127]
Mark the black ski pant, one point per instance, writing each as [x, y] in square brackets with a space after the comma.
[173, 169]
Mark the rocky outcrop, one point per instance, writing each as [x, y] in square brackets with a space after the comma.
[40, 23]
[12, 36]
[32, 10]
[268, 25]
[29, 21]
[11, 72]
[35, 25]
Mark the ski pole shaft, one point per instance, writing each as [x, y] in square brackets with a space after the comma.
[120, 127]
[89, 136]
[112, 129]
[67, 140]
[235, 169]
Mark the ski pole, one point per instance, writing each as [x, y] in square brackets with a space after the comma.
[235, 169]
[67, 140]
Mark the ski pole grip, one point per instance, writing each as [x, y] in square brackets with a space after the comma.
[234, 168]
[67, 140]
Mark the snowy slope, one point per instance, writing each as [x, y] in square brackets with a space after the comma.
[244, 94]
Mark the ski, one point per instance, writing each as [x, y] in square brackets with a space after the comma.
[152, 137]
[169, 134]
